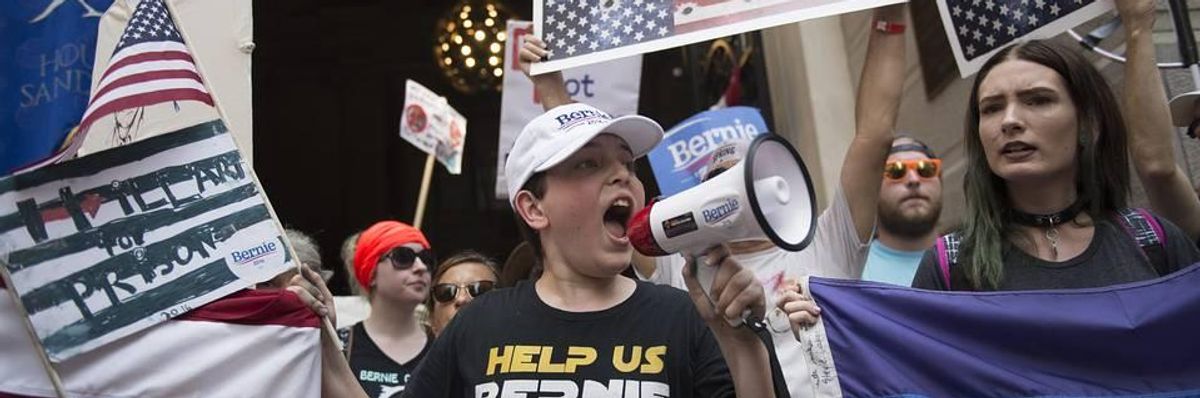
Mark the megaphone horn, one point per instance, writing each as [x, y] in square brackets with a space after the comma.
[768, 195]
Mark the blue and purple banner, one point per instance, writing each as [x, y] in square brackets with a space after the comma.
[48, 48]
[1140, 339]
[681, 159]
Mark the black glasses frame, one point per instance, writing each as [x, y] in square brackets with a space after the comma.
[403, 258]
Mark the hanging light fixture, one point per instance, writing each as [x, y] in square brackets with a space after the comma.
[469, 45]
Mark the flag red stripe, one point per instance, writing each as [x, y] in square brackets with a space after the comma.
[173, 55]
[145, 77]
[145, 99]
[257, 307]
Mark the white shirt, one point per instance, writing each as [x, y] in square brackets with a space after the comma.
[836, 252]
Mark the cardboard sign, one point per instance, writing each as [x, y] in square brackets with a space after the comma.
[105, 245]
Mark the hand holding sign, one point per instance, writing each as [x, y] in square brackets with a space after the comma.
[550, 87]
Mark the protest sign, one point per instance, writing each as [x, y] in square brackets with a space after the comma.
[581, 32]
[683, 157]
[610, 86]
[431, 125]
[450, 145]
[977, 29]
[106, 245]
[423, 117]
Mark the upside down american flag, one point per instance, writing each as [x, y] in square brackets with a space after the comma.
[256, 343]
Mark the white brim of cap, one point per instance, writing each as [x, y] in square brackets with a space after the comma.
[639, 132]
[1183, 108]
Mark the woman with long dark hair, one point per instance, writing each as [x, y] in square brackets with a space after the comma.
[1047, 184]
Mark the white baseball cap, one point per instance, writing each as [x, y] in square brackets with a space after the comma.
[1183, 109]
[557, 134]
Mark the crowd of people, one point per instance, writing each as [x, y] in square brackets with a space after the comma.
[1047, 189]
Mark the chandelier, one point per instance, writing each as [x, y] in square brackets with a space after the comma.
[469, 45]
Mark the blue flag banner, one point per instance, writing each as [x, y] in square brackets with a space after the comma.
[681, 159]
[48, 47]
[1137, 339]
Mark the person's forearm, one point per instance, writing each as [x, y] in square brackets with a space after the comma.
[551, 90]
[882, 81]
[876, 109]
[1148, 119]
[337, 380]
[748, 361]
[1146, 111]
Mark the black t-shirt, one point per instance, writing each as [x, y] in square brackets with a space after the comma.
[378, 374]
[1112, 258]
[510, 343]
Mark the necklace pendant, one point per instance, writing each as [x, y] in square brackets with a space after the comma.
[1052, 237]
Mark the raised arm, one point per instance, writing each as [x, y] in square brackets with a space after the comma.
[875, 117]
[549, 86]
[1149, 122]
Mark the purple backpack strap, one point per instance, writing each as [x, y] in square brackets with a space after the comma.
[943, 262]
[1154, 225]
[947, 255]
[1147, 232]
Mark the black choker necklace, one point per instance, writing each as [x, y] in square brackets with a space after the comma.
[1047, 220]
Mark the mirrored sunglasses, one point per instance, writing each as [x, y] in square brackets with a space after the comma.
[446, 292]
[926, 168]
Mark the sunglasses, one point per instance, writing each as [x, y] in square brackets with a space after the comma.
[926, 168]
[403, 258]
[446, 292]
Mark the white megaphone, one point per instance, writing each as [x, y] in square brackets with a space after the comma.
[768, 195]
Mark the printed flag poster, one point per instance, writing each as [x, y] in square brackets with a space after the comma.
[431, 125]
[580, 32]
[979, 28]
[48, 50]
[682, 159]
[611, 86]
[106, 245]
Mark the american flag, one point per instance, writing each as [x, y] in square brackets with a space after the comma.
[985, 25]
[579, 27]
[980, 27]
[150, 65]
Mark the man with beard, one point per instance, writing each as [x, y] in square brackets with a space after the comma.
[910, 202]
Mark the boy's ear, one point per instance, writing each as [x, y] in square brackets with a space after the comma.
[530, 209]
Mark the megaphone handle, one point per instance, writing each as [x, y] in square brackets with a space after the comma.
[705, 275]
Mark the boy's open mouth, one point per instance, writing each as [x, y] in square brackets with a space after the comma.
[616, 217]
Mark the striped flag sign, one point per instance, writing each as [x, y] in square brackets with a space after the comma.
[106, 245]
[1130, 340]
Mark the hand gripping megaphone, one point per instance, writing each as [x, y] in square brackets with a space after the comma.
[768, 194]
